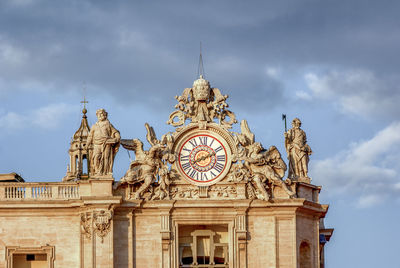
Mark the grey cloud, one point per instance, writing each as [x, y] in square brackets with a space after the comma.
[368, 168]
[47, 117]
[358, 92]
[135, 52]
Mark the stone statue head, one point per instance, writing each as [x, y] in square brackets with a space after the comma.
[101, 114]
[296, 122]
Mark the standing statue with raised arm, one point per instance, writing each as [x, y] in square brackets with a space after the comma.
[105, 139]
[298, 151]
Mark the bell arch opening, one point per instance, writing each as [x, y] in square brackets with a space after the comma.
[305, 255]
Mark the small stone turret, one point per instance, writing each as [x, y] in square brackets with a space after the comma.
[79, 164]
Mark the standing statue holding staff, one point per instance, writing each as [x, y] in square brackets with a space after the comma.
[105, 139]
[298, 150]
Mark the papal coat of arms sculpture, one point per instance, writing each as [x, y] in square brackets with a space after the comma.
[203, 158]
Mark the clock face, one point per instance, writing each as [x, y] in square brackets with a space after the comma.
[203, 158]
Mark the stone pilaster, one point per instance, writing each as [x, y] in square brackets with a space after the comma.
[241, 234]
[166, 237]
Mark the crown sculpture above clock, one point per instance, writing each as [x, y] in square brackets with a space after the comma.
[204, 159]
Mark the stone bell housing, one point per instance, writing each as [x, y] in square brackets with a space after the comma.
[200, 196]
[78, 167]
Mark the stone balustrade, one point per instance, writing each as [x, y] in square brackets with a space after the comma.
[39, 191]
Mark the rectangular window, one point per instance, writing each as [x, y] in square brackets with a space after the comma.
[30, 260]
[203, 246]
[30, 257]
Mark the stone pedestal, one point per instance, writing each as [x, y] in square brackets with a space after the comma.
[102, 186]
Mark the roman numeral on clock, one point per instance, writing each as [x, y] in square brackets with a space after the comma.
[185, 158]
[218, 149]
[193, 142]
[193, 173]
[212, 141]
[202, 158]
[186, 166]
[221, 158]
[218, 167]
[203, 140]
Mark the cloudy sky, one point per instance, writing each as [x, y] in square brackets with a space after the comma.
[334, 64]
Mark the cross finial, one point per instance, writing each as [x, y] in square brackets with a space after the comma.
[200, 70]
[84, 111]
[84, 102]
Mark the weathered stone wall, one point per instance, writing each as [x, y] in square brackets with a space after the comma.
[41, 228]
[307, 229]
[286, 242]
[271, 241]
[261, 241]
[122, 239]
[146, 240]
[144, 234]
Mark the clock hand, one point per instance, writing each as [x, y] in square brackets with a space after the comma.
[204, 157]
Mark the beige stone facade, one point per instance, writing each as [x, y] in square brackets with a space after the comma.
[203, 196]
[62, 220]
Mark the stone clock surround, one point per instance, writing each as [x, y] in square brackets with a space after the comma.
[189, 134]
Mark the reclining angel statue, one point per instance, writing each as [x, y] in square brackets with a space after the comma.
[265, 167]
[149, 166]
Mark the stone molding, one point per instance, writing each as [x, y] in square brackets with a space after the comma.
[48, 250]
